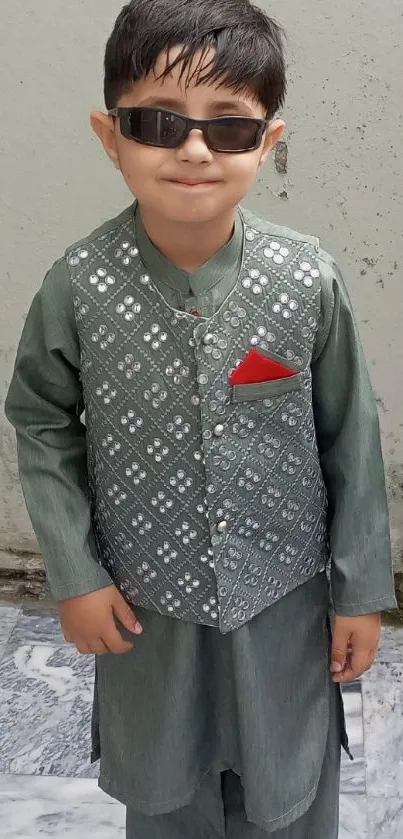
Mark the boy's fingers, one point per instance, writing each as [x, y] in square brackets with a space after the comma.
[113, 640]
[126, 616]
[83, 648]
[361, 660]
[99, 648]
[340, 651]
[358, 663]
[347, 676]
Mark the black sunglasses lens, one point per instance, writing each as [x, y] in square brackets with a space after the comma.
[156, 128]
[233, 134]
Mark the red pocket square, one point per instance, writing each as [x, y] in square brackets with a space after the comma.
[256, 367]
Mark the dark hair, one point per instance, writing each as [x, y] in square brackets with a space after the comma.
[249, 53]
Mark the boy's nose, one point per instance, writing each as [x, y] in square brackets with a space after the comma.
[194, 148]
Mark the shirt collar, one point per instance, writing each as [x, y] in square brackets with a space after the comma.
[164, 272]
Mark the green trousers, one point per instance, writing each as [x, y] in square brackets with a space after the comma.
[217, 810]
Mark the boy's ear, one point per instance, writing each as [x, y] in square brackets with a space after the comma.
[273, 134]
[104, 126]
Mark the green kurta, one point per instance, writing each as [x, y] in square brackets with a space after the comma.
[187, 699]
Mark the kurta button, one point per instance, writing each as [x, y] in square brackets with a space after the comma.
[222, 527]
[208, 339]
[219, 431]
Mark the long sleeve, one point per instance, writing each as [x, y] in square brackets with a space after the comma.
[44, 403]
[347, 428]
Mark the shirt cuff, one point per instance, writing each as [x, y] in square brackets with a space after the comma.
[380, 604]
[86, 584]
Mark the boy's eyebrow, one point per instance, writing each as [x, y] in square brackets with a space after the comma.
[160, 102]
[177, 105]
[231, 105]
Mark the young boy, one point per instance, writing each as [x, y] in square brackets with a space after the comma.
[230, 450]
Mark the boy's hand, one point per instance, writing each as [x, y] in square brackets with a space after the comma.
[89, 622]
[355, 644]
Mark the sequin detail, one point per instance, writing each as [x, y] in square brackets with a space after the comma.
[126, 253]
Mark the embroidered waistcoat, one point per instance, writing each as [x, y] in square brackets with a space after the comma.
[208, 500]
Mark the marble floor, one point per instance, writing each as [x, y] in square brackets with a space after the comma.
[48, 787]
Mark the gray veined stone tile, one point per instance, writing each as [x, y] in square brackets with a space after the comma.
[383, 729]
[391, 646]
[385, 817]
[34, 807]
[34, 627]
[353, 817]
[8, 619]
[45, 711]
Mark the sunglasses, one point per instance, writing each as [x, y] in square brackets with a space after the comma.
[167, 130]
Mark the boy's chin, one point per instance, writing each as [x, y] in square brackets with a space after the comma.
[193, 211]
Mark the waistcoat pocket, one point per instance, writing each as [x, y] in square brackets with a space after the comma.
[264, 390]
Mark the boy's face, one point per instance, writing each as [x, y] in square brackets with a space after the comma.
[189, 184]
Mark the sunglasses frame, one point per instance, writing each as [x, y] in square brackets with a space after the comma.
[191, 124]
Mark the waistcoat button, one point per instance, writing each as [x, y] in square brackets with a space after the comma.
[222, 527]
[218, 431]
[208, 339]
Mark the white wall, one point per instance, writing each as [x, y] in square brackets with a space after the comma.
[344, 181]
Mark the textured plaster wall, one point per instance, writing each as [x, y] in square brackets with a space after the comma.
[344, 180]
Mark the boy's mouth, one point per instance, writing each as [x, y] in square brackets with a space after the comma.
[192, 182]
[201, 187]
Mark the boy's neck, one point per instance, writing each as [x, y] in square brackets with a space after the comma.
[188, 246]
